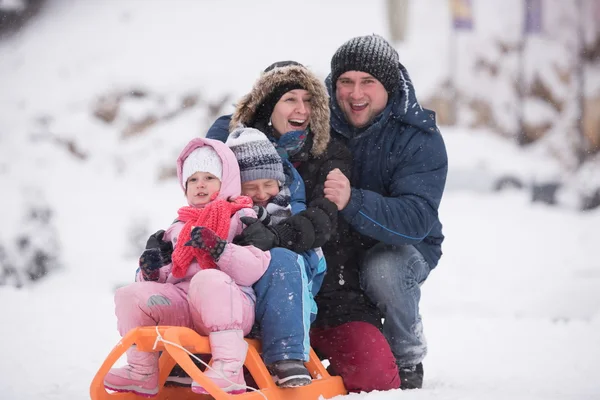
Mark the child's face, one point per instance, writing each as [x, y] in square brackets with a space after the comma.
[200, 187]
[261, 190]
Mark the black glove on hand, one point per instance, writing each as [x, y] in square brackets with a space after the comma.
[155, 241]
[321, 225]
[150, 263]
[257, 235]
[328, 207]
[262, 215]
[296, 233]
[206, 239]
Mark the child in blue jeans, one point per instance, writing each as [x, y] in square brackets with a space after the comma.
[287, 228]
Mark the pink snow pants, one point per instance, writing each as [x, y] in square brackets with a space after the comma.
[213, 302]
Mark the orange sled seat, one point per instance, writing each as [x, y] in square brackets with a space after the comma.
[150, 339]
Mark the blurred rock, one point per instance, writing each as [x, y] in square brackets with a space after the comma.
[136, 127]
[487, 66]
[483, 114]
[9, 275]
[107, 108]
[215, 107]
[14, 14]
[72, 148]
[591, 51]
[35, 250]
[545, 192]
[530, 132]
[444, 102]
[508, 182]
[189, 100]
[166, 173]
[542, 91]
[591, 202]
[137, 110]
[565, 75]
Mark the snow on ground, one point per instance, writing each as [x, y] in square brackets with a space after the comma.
[512, 311]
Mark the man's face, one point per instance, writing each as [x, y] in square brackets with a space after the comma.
[361, 97]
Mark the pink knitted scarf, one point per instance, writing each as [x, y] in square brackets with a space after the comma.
[215, 216]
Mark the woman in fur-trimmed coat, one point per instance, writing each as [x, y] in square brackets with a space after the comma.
[314, 153]
[291, 106]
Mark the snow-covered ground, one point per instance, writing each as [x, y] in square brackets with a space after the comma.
[512, 311]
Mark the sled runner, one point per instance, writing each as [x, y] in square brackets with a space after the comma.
[166, 340]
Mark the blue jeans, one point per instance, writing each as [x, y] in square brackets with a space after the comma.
[391, 277]
[285, 306]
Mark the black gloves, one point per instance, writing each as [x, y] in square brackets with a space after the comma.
[295, 233]
[155, 241]
[301, 232]
[150, 263]
[257, 235]
[327, 206]
[322, 213]
[206, 239]
[157, 254]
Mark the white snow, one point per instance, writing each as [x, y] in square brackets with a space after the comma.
[512, 311]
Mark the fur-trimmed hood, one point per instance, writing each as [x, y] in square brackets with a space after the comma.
[268, 81]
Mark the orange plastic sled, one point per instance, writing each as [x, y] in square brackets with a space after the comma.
[323, 384]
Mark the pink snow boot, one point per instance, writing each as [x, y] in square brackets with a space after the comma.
[139, 376]
[228, 350]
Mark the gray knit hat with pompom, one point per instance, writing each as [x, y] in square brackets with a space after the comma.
[256, 155]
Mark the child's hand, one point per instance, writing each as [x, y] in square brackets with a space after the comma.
[262, 214]
[205, 239]
[155, 241]
[150, 263]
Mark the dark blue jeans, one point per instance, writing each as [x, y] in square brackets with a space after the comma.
[391, 277]
[285, 307]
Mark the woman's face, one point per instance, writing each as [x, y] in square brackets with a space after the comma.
[292, 112]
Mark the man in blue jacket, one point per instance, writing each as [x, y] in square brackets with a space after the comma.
[391, 206]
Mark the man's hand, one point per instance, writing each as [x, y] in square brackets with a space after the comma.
[337, 188]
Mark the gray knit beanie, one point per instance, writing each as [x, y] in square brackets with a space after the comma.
[371, 54]
[256, 155]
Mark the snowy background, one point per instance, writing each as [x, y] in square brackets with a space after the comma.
[96, 101]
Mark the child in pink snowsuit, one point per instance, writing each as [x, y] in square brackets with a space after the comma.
[208, 284]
